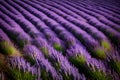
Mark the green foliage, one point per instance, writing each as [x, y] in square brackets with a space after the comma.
[30, 59]
[58, 47]
[70, 43]
[106, 45]
[45, 75]
[20, 75]
[78, 60]
[66, 76]
[97, 75]
[13, 36]
[57, 65]
[7, 48]
[22, 43]
[115, 65]
[99, 53]
[45, 51]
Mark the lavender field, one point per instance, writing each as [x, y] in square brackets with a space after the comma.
[59, 40]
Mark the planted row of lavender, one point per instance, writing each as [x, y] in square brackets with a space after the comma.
[40, 61]
[22, 70]
[6, 46]
[19, 36]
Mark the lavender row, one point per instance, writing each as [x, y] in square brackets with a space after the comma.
[19, 36]
[6, 46]
[41, 62]
[23, 70]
